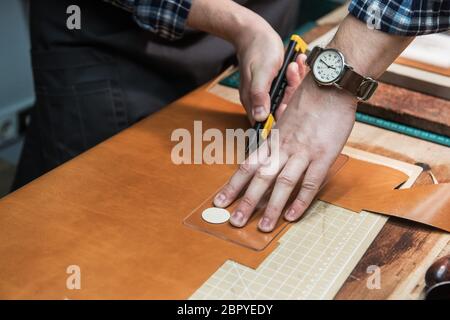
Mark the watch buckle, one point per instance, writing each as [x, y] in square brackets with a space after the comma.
[367, 89]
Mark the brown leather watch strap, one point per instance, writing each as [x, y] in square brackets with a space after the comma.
[361, 87]
[351, 81]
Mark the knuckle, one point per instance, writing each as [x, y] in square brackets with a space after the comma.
[302, 157]
[248, 202]
[320, 152]
[300, 202]
[257, 94]
[262, 175]
[272, 211]
[286, 180]
[285, 140]
[310, 185]
[245, 168]
[229, 189]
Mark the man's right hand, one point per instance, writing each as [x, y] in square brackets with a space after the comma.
[260, 56]
[259, 49]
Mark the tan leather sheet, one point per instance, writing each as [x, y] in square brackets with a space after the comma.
[116, 211]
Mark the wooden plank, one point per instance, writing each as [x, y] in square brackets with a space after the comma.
[423, 66]
[411, 108]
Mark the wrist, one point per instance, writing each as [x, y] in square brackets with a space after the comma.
[247, 27]
[227, 20]
[326, 95]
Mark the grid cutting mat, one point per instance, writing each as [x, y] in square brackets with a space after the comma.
[315, 256]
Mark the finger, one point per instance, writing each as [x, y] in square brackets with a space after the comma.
[262, 181]
[302, 67]
[241, 177]
[264, 200]
[285, 184]
[295, 74]
[259, 93]
[315, 174]
[293, 78]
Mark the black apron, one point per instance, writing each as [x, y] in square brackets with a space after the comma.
[94, 82]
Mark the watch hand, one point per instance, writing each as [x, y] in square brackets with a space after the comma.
[324, 63]
[329, 67]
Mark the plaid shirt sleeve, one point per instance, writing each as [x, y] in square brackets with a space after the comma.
[166, 18]
[403, 17]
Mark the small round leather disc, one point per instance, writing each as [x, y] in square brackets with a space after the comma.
[216, 215]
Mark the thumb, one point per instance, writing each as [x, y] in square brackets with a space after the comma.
[259, 93]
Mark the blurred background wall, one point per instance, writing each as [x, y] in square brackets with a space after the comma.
[16, 85]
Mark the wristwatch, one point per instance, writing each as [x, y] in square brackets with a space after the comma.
[329, 69]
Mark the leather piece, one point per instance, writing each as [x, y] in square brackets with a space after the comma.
[427, 204]
[359, 182]
[248, 236]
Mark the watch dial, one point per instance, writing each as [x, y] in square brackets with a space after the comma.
[328, 66]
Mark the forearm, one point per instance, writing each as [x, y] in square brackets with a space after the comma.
[369, 52]
[225, 19]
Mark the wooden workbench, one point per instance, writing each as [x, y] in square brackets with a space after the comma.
[85, 210]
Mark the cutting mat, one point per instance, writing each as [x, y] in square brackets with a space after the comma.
[315, 256]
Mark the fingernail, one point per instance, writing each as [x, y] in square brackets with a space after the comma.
[220, 199]
[259, 111]
[290, 215]
[237, 219]
[265, 224]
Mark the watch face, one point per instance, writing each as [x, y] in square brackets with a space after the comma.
[328, 66]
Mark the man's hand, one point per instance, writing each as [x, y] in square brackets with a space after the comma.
[312, 132]
[260, 55]
[259, 49]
